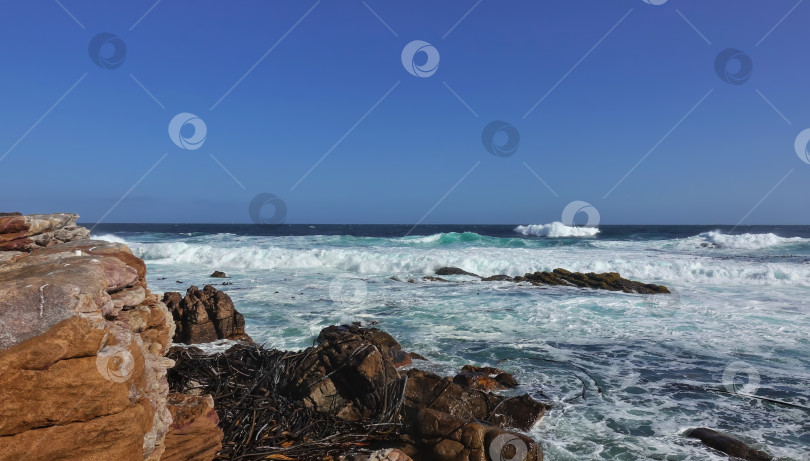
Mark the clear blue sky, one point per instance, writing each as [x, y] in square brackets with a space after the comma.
[606, 110]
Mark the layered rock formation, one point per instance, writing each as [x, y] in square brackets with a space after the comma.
[204, 316]
[82, 345]
[81, 355]
[27, 232]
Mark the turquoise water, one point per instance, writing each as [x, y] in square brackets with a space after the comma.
[740, 309]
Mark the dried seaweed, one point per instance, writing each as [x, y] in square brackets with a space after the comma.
[261, 421]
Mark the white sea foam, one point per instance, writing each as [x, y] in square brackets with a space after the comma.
[746, 241]
[556, 229]
[649, 267]
[109, 238]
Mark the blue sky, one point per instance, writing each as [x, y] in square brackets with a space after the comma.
[301, 79]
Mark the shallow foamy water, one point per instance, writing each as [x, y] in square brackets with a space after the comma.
[740, 308]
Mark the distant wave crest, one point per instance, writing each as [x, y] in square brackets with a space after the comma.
[556, 229]
[745, 241]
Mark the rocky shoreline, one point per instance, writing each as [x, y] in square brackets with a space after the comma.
[88, 370]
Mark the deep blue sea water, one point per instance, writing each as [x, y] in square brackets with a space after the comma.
[738, 319]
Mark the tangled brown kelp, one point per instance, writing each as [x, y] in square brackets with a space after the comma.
[347, 396]
[250, 387]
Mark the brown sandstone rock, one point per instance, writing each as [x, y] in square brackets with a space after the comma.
[388, 454]
[204, 316]
[193, 435]
[81, 351]
[28, 232]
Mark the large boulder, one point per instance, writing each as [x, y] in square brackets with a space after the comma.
[727, 444]
[204, 316]
[82, 344]
[352, 373]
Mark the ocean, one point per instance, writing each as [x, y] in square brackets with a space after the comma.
[729, 349]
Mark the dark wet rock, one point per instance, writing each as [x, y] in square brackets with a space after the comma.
[611, 281]
[426, 389]
[204, 316]
[352, 375]
[431, 278]
[218, 275]
[727, 444]
[497, 278]
[454, 271]
[484, 378]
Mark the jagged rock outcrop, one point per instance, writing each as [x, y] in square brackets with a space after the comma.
[28, 232]
[352, 380]
[204, 316]
[82, 342]
[611, 281]
[484, 378]
[727, 444]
